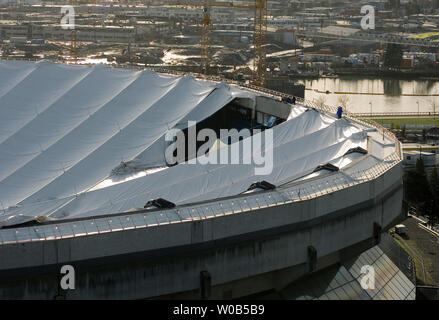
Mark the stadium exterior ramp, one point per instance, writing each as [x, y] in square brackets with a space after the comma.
[338, 185]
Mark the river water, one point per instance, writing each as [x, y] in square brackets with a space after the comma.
[379, 95]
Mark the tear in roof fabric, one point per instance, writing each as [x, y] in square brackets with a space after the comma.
[64, 128]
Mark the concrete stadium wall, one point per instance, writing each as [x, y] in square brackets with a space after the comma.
[233, 249]
[270, 106]
[266, 105]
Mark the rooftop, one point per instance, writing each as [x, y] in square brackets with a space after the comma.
[65, 128]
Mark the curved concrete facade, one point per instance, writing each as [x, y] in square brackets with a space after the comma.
[168, 259]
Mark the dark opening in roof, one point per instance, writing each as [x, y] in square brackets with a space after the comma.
[327, 166]
[262, 185]
[159, 203]
[356, 150]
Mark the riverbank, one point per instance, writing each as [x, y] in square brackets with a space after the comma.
[365, 95]
[397, 123]
[388, 74]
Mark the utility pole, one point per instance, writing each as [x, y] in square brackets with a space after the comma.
[259, 41]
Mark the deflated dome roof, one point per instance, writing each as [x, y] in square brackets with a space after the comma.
[64, 128]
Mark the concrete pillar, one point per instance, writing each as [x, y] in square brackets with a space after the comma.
[312, 258]
[376, 233]
[205, 285]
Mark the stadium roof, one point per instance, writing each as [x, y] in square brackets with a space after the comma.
[63, 129]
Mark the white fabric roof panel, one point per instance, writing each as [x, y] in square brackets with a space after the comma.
[35, 93]
[87, 124]
[12, 73]
[58, 120]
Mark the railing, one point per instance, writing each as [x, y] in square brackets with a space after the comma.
[398, 255]
[396, 114]
[247, 202]
[301, 191]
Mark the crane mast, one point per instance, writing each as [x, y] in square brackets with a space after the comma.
[73, 42]
[205, 38]
[260, 28]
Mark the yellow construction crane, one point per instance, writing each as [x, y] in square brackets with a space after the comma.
[73, 46]
[260, 28]
[73, 43]
[205, 38]
[259, 41]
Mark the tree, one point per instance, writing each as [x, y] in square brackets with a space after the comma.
[418, 189]
[426, 64]
[393, 56]
[433, 214]
[321, 101]
[343, 101]
[433, 105]
[423, 186]
[394, 4]
[413, 8]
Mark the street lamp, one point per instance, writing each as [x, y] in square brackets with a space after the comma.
[418, 107]
[370, 108]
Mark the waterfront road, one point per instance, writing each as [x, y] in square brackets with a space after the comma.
[423, 246]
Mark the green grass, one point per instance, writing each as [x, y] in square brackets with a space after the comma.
[399, 122]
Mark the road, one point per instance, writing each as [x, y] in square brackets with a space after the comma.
[424, 246]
